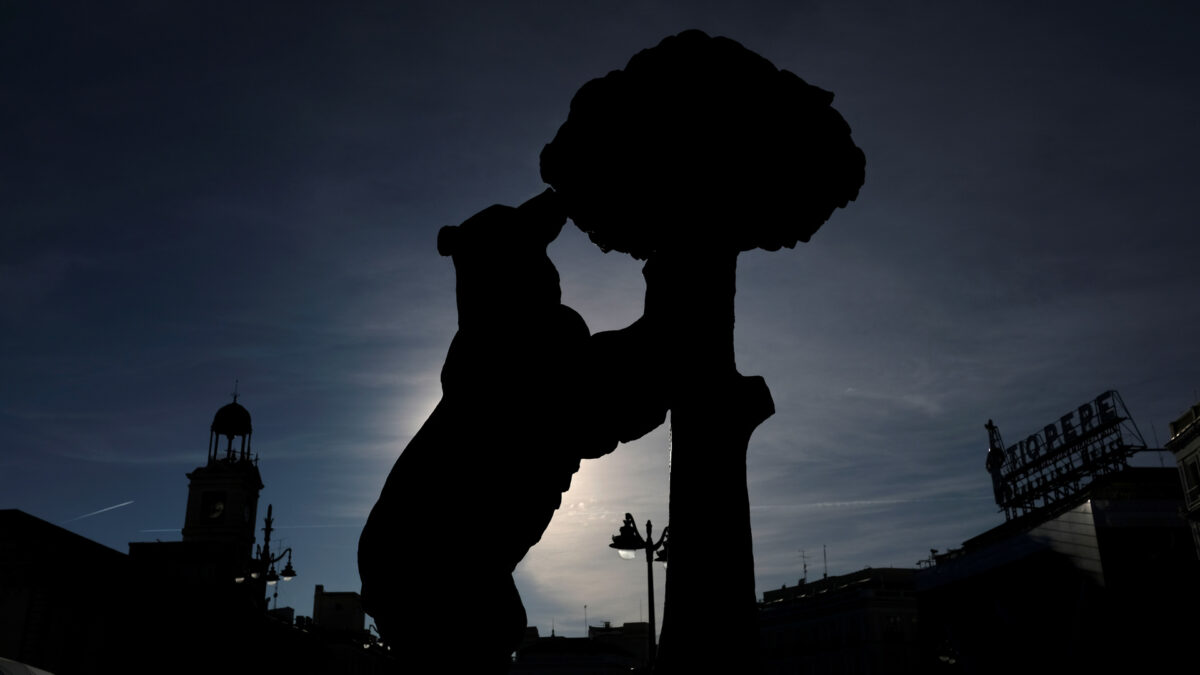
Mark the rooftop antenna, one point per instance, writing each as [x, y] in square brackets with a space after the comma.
[804, 565]
[825, 555]
[235, 389]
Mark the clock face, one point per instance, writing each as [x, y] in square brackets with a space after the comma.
[212, 505]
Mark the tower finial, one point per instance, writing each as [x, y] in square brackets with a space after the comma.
[235, 389]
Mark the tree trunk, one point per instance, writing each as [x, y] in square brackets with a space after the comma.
[710, 614]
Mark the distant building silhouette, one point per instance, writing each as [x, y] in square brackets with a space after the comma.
[1092, 585]
[601, 653]
[59, 593]
[1088, 570]
[1095, 584]
[223, 494]
[340, 611]
[1185, 445]
[220, 517]
[75, 607]
[863, 622]
[1093, 571]
[631, 638]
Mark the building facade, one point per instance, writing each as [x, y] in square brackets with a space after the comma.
[1184, 443]
[863, 622]
[1093, 585]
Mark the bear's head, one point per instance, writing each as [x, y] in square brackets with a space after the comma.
[503, 272]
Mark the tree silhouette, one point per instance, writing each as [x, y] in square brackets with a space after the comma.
[700, 149]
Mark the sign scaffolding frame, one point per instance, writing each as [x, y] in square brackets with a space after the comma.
[1052, 465]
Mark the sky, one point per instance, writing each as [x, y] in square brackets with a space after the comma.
[197, 194]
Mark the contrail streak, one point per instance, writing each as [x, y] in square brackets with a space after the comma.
[93, 513]
[280, 527]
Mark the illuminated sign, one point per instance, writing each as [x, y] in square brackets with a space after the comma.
[1055, 463]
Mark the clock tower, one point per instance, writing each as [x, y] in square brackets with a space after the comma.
[223, 494]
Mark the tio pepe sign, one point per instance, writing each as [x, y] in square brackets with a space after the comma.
[1065, 431]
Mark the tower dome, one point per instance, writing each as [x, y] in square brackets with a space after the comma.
[230, 421]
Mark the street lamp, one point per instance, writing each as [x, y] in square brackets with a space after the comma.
[266, 561]
[627, 543]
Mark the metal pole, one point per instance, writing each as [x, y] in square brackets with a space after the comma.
[650, 585]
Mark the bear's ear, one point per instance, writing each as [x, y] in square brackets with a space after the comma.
[546, 213]
[448, 239]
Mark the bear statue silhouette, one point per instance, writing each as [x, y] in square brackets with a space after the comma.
[526, 394]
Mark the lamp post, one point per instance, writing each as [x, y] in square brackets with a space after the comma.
[627, 543]
[264, 564]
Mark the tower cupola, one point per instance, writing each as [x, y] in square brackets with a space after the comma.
[230, 422]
